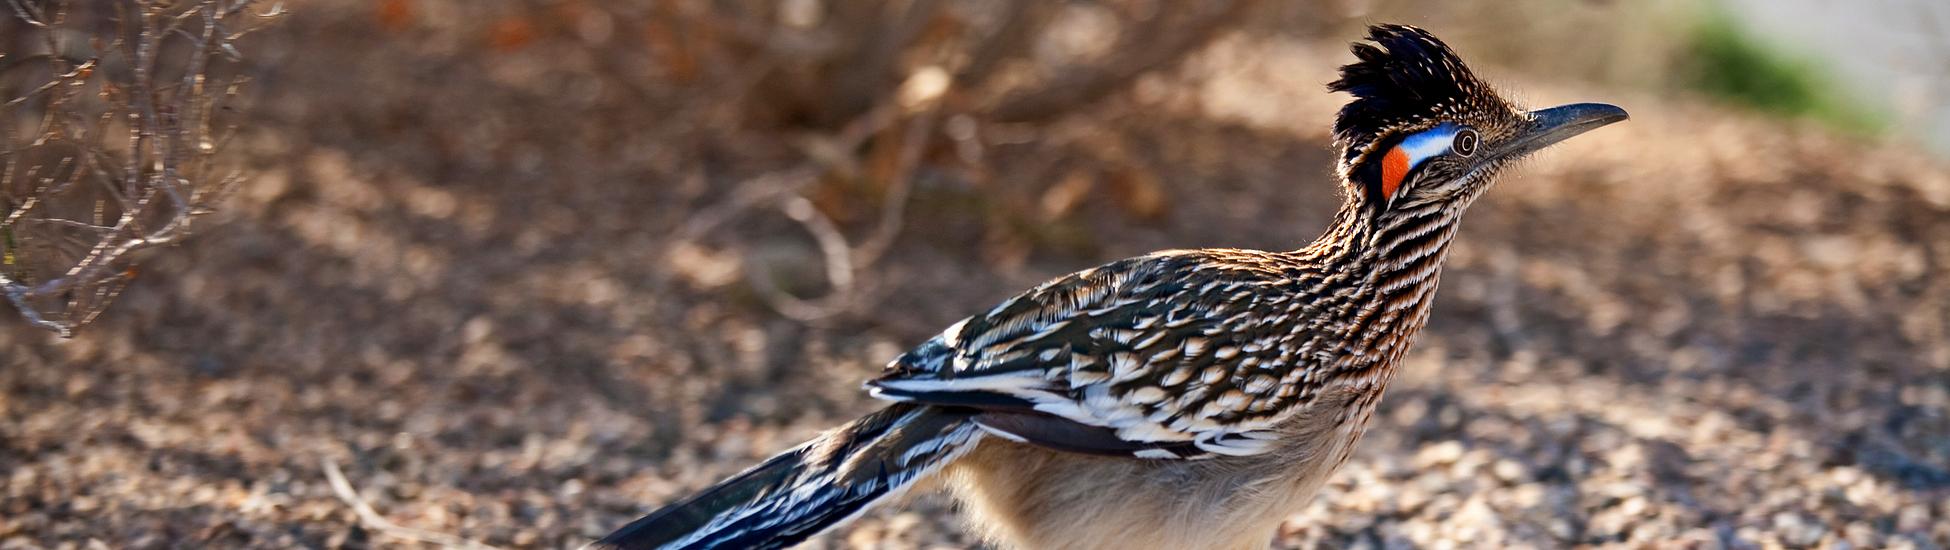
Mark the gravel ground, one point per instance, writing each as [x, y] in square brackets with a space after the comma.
[1695, 329]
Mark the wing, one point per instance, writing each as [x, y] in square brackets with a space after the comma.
[1183, 354]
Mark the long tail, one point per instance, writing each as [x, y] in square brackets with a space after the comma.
[811, 488]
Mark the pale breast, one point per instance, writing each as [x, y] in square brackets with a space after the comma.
[1023, 496]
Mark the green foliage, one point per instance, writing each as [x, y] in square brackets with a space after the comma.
[1728, 63]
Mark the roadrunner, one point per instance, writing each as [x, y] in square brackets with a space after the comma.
[1182, 399]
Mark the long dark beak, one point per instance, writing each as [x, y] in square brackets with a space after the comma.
[1549, 126]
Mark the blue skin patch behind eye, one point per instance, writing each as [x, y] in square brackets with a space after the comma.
[1426, 144]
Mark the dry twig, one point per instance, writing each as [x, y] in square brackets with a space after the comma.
[921, 97]
[1160, 41]
[372, 520]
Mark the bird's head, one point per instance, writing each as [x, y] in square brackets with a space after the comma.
[1422, 132]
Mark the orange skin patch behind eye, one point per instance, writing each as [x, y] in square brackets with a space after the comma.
[1394, 167]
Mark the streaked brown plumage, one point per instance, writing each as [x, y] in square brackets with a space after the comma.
[1181, 399]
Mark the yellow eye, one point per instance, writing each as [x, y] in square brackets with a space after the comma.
[1465, 143]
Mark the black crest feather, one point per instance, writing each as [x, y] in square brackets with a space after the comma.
[1405, 76]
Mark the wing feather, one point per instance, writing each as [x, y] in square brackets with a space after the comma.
[1132, 358]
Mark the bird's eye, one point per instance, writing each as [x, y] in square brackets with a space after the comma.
[1465, 143]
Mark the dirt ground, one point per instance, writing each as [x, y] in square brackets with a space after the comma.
[476, 283]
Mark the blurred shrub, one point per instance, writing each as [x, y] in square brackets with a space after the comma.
[880, 94]
[113, 114]
[1724, 61]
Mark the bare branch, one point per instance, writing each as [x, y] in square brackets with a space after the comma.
[893, 210]
[1021, 21]
[838, 256]
[372, 520]
[27, 13]
[44, 88]
[143, 140]
[1161, 41]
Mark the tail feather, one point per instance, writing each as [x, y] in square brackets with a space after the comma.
[811, 488]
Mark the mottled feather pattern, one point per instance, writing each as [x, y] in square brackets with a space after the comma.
[820, 484]
[1212, 348]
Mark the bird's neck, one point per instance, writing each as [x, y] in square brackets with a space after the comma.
[1397, 248]
[1393, 261]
